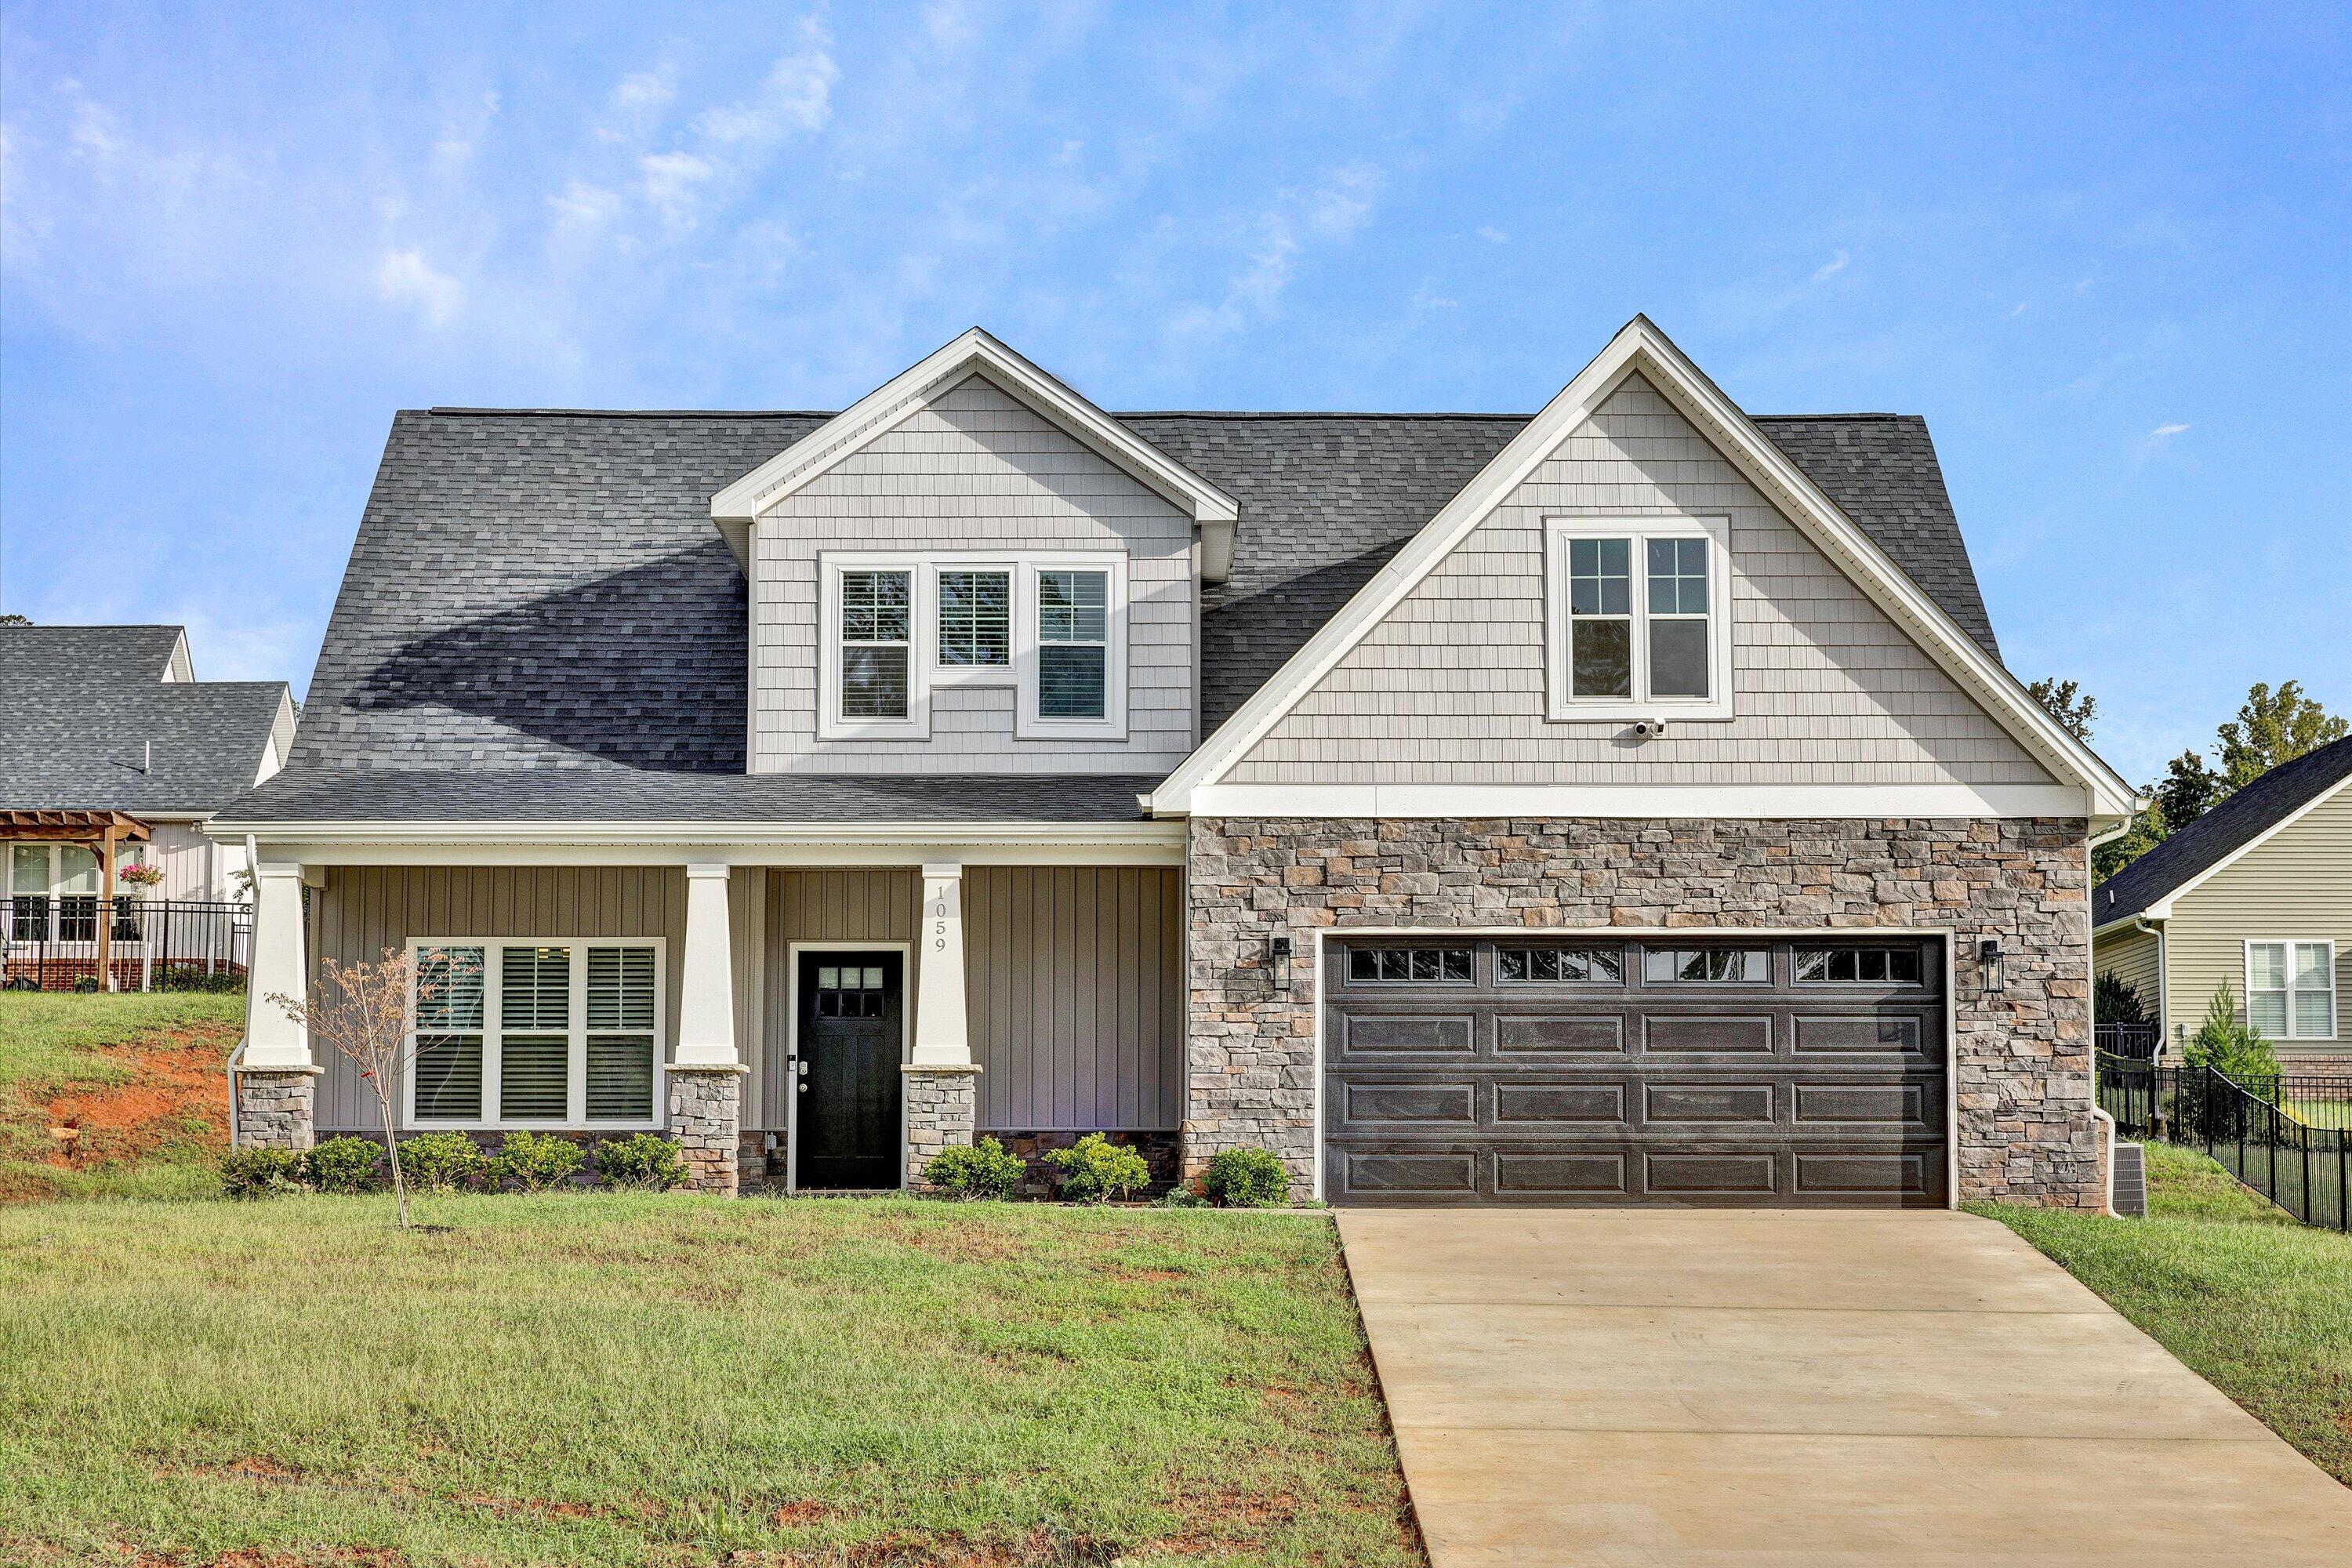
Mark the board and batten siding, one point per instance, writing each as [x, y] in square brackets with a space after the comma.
[2295, 886]
[975, 470]
[2135, 958]
[1075, 982]
[1449, 688]
[362, 909]
[854, 905]
[1073, 977]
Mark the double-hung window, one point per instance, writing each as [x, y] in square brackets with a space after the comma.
[1638, 628]
[2290, 989]
[898, 630]
[535, 1033]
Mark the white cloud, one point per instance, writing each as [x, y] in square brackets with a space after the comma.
[406, 278]
[796, 96]
[1832, 266]
[584, 204]
[2163, 433]
[671, 181]
[1494, 236]
[1330, 212]
[637, 103]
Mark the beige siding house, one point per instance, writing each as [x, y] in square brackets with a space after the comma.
[1623, 803]
[2256, 896]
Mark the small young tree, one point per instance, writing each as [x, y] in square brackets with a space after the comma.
[362, 1010]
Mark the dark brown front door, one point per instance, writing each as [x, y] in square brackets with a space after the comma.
[1601, 1069]
[846, 1135]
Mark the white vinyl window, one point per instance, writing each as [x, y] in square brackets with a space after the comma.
[1639, 628]
[1052, 627]
[535, 1033]
[2290, 989]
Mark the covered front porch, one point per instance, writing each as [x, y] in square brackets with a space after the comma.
[805, 1015]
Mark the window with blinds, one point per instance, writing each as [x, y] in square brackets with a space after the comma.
[537, 1034]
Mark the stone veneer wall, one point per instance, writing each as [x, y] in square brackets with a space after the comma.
[705, 1111]
[941, 1103]
[274, 1110]
[2023, 1086]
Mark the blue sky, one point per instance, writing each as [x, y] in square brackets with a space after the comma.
[2108, 254]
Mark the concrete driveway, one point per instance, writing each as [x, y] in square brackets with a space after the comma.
[1669, 1387]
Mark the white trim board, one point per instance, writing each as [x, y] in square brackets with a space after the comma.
[737, 507]
[1747, 802]
[1641, 346]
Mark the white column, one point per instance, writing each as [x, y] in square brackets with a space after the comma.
[272, 1039]
[706, 977]
[942, 1037]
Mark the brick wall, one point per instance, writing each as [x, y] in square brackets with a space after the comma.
[2023, 1057]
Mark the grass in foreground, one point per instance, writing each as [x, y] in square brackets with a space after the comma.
[632, 1379]
[2257, 1304]
[141, 1079]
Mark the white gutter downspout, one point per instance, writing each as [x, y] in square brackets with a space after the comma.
[253, 869]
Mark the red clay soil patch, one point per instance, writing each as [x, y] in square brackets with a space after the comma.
[177, 1093]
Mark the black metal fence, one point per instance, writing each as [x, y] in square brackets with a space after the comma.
[2136, 1041]
[152, 944]
[2257, 1130]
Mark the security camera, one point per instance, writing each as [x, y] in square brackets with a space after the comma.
[1650, 729]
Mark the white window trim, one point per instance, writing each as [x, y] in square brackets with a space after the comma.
[128, 854]
[1561, 705]
[923, 670]
[2335, 1008]
[1029, 724]
[921, 640]
[576, 1093]
[1007, 674]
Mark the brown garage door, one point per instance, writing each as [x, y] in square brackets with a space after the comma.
[1806, 1071]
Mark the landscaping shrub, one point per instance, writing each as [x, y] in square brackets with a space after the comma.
[1245, 1179]
[1097, 1171]
[441, 1161]
[1183, 1195]
[646, 1160]
[2114, 1000]
[87, 985]
[981, 1170]
[346, 1165]
[2232, 1048]
[193, 977]
[535, 1161]
[261, 1173]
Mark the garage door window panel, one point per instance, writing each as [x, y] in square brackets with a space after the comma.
[1409, 966]
[1559, 966]
[1855, 965]
[1706, 966]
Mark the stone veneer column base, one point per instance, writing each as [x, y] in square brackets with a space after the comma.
[942, 1105]
[276, 1107]
[705, 1117]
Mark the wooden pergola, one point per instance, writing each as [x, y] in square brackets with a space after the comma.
[102, 832]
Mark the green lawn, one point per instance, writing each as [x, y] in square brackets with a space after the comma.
[2259, 1305]
[141, 1076]
[606, 1379]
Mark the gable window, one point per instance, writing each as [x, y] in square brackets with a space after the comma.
[975, 619]
[1073, 644]
[1638, 628]
[2290, 989]
[896, 630]
[876, 643]
[534, 1033]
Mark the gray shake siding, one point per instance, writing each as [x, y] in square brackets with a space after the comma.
[1449, 689]
[976, 470]
[2022, 1086]
[363, 910]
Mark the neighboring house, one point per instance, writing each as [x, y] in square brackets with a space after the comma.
[1625, 804]
[2256, 895]
[112, 719]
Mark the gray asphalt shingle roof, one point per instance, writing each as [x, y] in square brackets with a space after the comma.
[544, 590]
[79, 706]
[2244, 817]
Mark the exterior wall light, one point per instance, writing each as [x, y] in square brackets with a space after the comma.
[1278, 957]
[1988, 966]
